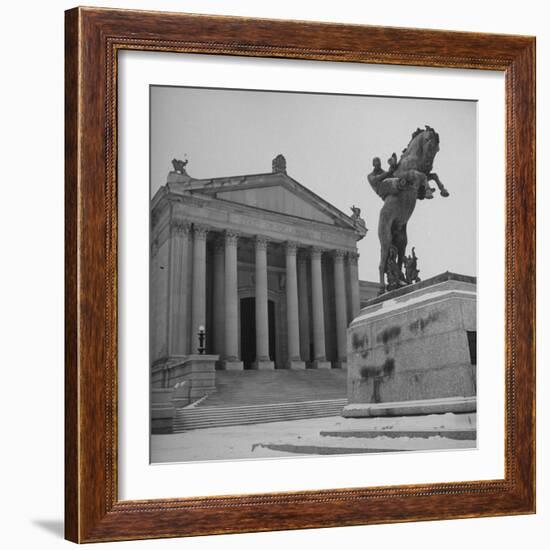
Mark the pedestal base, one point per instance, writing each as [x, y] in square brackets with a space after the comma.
[321, 364]
[296, 365]
[413, 350]
[263, 365]
[232, 365]
[410, 408]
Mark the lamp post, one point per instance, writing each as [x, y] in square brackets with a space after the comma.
[201, 335]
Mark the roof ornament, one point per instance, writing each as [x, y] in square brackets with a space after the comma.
[358, 221]
[179, 165]
[179, 173]
[278, 164]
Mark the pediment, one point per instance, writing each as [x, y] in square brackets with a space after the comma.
[277, 198]
[277, 193]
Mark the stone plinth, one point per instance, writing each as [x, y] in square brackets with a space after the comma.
[263, 365]
[164, 402]
[199, 371]
[176, 384]
[413, 351]
[231, 365]
[318, 364]
[162, 410]
[296, 364]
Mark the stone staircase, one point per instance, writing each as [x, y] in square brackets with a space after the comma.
[193, 418]
[252, 397]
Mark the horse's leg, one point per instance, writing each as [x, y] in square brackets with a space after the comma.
[384, 250]
[434, 177]
[420, 179]
[400, 242]
[385, 237]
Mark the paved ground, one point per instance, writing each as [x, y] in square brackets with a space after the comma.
[303, 437]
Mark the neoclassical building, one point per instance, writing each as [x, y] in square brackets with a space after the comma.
[265, 265]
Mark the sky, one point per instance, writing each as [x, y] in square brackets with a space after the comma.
[329, 142]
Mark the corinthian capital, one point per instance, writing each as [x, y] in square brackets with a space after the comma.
[338, 255]
[353, 257]
[317, 252]
[180, 227]
[200, 231]
[261, 242]
[231, 237]
[291, 247]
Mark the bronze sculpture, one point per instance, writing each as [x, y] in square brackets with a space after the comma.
[411, 268]
[399, 187]
[179, 165]
[355, 212]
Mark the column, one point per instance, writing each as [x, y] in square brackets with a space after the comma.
[178, 329]
[218, 305]
[341, 313]
[198, 310]
[303, 307]
[319, 350]
[293, 328]
[231, 361]
[353, 284]
[262, 322]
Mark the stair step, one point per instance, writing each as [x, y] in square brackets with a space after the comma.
[210, 417]
[236, 388]
[259, 412]
[265, 406]
[260, 417]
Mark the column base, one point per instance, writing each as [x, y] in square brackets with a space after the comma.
[295, 364]
[321, 364]
[232, 365]
[341, 365]
[263, 364]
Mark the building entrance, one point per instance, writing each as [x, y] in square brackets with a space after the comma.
[248, 331]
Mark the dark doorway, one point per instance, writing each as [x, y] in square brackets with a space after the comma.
[248, 331]
[271, 323]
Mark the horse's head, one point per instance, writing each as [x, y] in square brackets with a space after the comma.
[424, 145]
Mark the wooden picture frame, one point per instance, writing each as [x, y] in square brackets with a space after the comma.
[93, 511]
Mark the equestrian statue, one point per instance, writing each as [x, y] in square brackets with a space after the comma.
[399, 187]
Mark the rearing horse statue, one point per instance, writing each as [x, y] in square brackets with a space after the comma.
[399, 187]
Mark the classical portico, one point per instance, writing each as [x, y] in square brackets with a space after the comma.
[265, 265]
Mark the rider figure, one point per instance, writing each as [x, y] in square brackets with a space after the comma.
[384, 183]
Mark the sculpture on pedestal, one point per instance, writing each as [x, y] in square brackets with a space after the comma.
[179, 165]
[411, 269]
[399, 187]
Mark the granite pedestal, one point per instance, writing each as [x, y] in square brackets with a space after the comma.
[413, 350]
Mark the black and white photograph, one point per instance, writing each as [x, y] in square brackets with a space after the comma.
[313, 274]
[274, 274]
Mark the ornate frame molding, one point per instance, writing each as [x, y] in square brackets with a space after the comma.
[93, 38]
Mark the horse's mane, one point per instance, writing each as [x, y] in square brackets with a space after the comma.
[419, 131]
[413, 143]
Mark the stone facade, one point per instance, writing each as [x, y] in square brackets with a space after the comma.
[265, 265]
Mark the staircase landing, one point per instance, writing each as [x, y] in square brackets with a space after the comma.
[249, 387]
